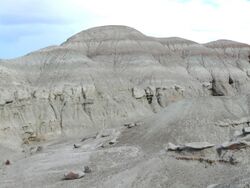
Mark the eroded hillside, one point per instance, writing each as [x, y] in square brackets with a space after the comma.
[181, 92]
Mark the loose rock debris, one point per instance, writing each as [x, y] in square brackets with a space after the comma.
[131, 125]
[209, 161]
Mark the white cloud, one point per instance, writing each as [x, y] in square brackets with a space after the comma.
[55, 21]
[200, 20]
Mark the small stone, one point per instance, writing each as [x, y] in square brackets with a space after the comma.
[173, 147]
[246, 130]
[248, 73]
[87, 169]
[232, 160]
[198, 145]
[130, 125]
[138, 93]
[207, 85]
[7, 162]
[35, 149]
[212, 186]
[74, 175]
[39, 148]
[105, 133]
[113, 141]
[77, 146]
[176, 87]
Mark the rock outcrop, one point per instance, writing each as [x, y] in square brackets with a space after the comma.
[113, 72]
[102, 78]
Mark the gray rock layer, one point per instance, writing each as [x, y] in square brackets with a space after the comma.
[104, 77]
[110, 74]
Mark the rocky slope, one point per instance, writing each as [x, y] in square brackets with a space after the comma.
[104, 77]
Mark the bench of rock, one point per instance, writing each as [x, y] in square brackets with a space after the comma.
[189, 146]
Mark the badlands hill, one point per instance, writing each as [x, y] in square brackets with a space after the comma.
[176, 94]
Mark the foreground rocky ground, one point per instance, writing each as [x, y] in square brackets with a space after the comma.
[137, 111]
[163, 150]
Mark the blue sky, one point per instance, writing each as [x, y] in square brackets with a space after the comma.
[28, 25]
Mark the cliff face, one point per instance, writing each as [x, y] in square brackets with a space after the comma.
[104, 76]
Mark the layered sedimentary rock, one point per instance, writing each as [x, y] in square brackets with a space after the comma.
[106, 75]
[190, 98]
